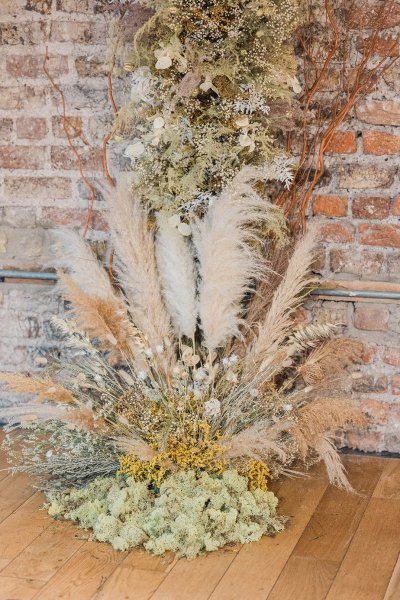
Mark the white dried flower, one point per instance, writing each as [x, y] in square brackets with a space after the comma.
[212, 408]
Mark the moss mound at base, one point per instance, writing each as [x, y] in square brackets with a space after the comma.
[189, 515]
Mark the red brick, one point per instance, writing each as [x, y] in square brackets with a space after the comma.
[365, 384]
[22, 33]
[392, 357]
[79, 6]
[396, 384]
[24, 65]
[336, 232]
[342, 142]
[362, 176]
[31, 128]
[377, 412]
[370, 207]
[385, 45]
[22, 97]
[371, 319]
[330, 206]
[74, 127]
[29, 188]
[78, 32]
[379, 235]
[364, 16]
[379, 143]
[62, 157]
[56, 217]
[369, 353]
[380, 112]
[22, 157]
[396, 207]
[356, 262]
[6, 129]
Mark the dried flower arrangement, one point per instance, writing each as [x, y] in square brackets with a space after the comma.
[188, 385]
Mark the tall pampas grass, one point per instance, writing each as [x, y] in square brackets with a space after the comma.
[176, 267]
[43, 388]
[229, 261]
[135, 265]
[278, 322]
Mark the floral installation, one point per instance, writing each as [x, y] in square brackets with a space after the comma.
[187, 384]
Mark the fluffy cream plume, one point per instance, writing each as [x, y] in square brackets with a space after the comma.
[334, 467]
[135, 265]
[178, 278]
[44, 388]
[278, 322]
[228, 259]
[257, 441]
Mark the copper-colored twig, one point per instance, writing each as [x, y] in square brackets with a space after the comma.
[57, 88]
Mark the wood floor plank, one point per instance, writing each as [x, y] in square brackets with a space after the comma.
[389, 483]
[46, 554]
[393, 589]
[195, 579]
[320, 550]
[14, 491]
[83, 574]
[368, 565]
[12, 588]
[256, 568]
[19, 529]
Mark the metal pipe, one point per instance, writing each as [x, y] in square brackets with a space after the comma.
[341, 293]
[13, 274]
[334, 292]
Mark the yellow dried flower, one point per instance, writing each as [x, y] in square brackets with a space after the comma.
[258, 475]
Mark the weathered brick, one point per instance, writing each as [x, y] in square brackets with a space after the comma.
[30, 188]
[19, 216]
[379, 235]
[385, 45]
[366, 383]
[74, 126]
[79, 6]
[55, 217]
[22, 157]
[396, 207]
[365, 440]
[330, 205]
[22, 97]
[363, 176]
[367, 207]
[62, 157]
[25, 65]
[380, 143]
[336, 232]
[392, 357]
[27, 33]
[86, 32]
[368, 318]
[396, 384]
[41, 6]
[369, 353]
[31, 128]
[6, 129]
[364, 15]
[379, 112]
[376, 411]
[356, 262]
[90, 66]
[342, 142]
[393, 264]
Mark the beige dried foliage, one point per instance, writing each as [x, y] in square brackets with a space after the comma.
[43, 388]
[257, 441]
[330, 358]
[321, 416]
[335, 469]
[105, 319]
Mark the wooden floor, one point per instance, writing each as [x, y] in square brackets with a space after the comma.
[337, 546]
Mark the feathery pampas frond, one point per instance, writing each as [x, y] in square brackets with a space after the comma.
[135, 265]
[178, 278]
[228, 261]
[278, 321]
[44, 389]
[335, 469]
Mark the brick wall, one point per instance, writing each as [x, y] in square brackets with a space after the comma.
[358, 205]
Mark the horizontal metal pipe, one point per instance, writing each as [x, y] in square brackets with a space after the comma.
[341, 293]
[12, 274]
[334, 292]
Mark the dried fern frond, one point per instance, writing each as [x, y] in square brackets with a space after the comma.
[229, 263]
[277, 324]
[330, 358]
[321, 416]
[135, 265]
[44, 388]
[105, 319]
